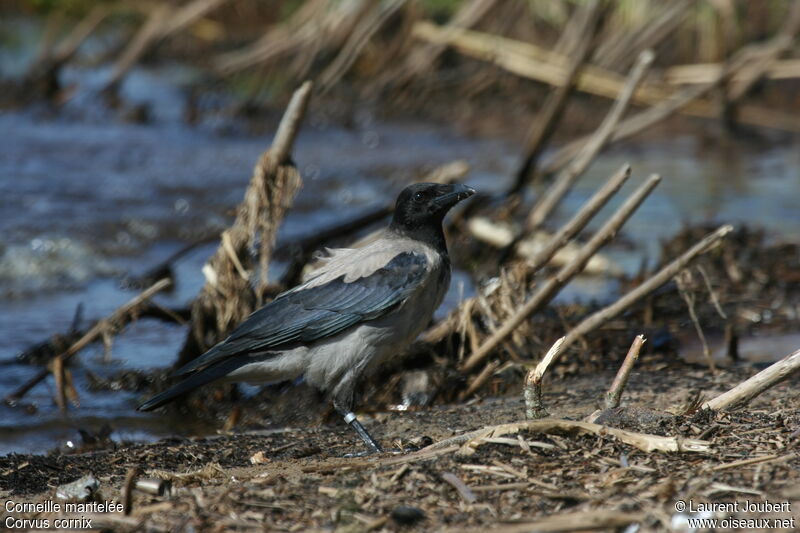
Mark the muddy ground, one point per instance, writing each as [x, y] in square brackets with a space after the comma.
[304, 481]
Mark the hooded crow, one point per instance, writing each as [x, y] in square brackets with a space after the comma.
[359, 308]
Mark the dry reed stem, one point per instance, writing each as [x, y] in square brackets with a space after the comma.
[564, 182]
[621, 46]
[147, 34]
[422, 59]
[532, 391]
[227, 297]
[532, 62]
[652, 283]
[163, 21]
[479, 380]
[358, 39]
[643, 441]
[546, 121]
[58, 375]
[296, 32]
[461, 318]
[682, 282]
[762, 58]
[565, 274]
[621, 379]
[743, 393]
[701, 73]
[116, 320]
[581, 218]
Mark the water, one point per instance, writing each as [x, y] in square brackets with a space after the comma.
[86, 199]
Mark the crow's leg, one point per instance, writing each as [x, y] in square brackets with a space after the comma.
[343, 403]
[372, 444]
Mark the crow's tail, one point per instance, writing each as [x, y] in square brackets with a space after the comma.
[198, 379]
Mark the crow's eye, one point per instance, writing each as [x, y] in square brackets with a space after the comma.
[419, 196]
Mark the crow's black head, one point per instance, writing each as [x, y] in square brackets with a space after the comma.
[421, 207]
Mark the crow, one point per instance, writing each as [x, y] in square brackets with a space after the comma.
[360, 308]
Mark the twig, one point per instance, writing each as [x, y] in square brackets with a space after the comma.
[567, 272]
[122, 315]
[743, 393]
[564, 182]
[621, 379]
[534, 408]
[648, 286]
[463, 490]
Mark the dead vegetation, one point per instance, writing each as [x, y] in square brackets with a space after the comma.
[477, 463]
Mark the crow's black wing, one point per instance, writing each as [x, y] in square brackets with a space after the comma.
[309, 314]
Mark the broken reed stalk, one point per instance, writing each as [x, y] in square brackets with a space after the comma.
[532, 391]
[741, 394]
[546, 121]
[550, 288]
[580, 219]
[422, 59]
[227, 296]
[162, 22]
[648, 286]
[779, 44]
[116, 320]
[614, 393]
[564, 182]
[358, 39]
[479, 380]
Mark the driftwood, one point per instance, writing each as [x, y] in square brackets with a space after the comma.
[743, 393]
[114, 322]
[227, 296]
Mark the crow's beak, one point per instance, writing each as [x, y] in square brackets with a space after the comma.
[457, 193]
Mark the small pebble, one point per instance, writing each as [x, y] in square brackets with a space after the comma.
[405, 515]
